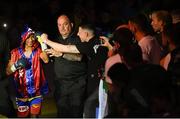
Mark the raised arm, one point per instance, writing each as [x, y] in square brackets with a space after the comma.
[58, 46]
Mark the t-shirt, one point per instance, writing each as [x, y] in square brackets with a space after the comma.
[150, 49]
[66, 69]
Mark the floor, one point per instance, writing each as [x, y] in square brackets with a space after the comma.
[48, 108]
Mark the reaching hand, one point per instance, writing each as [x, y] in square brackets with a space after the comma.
[105, 41]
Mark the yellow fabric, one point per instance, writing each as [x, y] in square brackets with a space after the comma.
[29, 99]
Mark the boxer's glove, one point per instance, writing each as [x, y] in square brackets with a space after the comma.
[21, 63]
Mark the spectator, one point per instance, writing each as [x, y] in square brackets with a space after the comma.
[172, 62]
[161, 22]
[120, 76]
[127, 52]
[142, 30]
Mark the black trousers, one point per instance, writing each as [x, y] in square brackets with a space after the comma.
[91, 104]
[69, 96]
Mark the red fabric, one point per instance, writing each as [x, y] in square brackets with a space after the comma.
[39, 81]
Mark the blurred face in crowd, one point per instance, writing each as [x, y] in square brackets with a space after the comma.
[64, 26]
[156, 23]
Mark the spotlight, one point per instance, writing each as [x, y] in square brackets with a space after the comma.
[5, 25]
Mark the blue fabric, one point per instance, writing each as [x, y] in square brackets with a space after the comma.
[29, 74]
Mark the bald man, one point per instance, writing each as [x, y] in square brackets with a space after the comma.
[70, 73]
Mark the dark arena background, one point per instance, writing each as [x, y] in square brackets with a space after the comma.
[41, 15]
